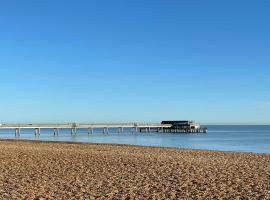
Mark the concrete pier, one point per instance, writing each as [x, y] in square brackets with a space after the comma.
[132, 127]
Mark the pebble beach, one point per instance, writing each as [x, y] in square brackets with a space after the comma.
[61, 170]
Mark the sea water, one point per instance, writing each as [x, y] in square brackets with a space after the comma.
[226, 138]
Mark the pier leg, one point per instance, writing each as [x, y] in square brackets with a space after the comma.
[90, 131]
[121, 130]
[16, 132]
[56, 131]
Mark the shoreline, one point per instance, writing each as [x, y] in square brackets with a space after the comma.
[131, 145]
[71, 170]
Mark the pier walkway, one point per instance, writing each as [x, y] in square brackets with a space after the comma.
[130, 127]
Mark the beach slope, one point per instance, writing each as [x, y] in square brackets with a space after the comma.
[51, 170]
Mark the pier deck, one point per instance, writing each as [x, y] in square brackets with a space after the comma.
[131, 127]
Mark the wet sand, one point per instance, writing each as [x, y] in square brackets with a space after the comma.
[51, 170]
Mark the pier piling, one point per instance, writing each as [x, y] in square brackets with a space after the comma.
[90, 131]
[37, 131]
[17, 131]
[56, 131]
[73, 131]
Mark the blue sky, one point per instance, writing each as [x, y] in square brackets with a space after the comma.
[122, 61]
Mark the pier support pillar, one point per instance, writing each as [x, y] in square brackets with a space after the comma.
[37, 131]
[56, 131]
[17, 131]
[105, 130]
[90, 131]
[74, 131]
[120, 130]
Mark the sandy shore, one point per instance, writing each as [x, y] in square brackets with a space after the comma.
[48, 170]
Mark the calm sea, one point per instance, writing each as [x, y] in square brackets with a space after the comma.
[228, 138]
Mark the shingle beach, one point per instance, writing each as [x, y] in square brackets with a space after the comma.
[56, 170]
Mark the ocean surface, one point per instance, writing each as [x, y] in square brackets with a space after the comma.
[226, 138]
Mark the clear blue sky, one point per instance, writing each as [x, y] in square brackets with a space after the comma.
[119, 61]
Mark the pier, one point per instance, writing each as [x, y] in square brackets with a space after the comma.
[106, 128]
